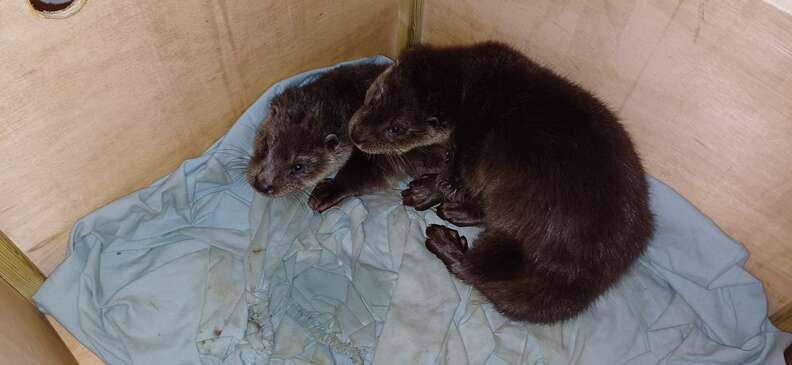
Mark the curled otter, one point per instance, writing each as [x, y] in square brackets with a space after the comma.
[541, 164]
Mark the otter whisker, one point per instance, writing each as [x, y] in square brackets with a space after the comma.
[293, 199]
[244, 161]
[408, 165]
[238, 178]
[303, 191]
[242, 151]
[238, 162]
[242, 158]
[232, 156]
[238, 170]
[242, 164]
[303, 202]
[296, 200]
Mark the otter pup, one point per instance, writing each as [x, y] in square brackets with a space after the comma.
[304, 140]
[542, 165]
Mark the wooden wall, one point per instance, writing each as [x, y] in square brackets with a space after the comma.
[102, 103]
[705, 88]
[25, 336]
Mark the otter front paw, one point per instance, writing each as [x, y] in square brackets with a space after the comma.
[446, 244]
[461, 214]
[447, 187]
[421, 193]
[325, 195]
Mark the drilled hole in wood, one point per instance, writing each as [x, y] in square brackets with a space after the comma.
[56, 9]
[50, 5]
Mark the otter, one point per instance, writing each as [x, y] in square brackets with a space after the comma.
[539, 163]
[303, 141]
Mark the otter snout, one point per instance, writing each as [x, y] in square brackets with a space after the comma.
[264, 188]
[358, 135]
[264, 182]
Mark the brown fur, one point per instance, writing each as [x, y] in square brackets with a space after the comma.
[540, 163]
[304, 140]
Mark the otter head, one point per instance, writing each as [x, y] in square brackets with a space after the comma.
[397, 116]
[297, 145]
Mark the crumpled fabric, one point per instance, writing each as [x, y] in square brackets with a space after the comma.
[197, 269]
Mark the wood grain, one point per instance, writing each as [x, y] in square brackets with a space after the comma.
[703, 86]
[80, 352]
[17, 270]
[783, 318]
[26, 338]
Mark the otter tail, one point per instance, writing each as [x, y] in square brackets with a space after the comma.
[524, 290]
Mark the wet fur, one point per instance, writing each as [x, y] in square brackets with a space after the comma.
[559, 188]
[307, 125]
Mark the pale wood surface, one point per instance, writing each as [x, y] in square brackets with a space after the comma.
[703, 86]
[26, 338]
[783, 318]
[785, 5]
[80, 352]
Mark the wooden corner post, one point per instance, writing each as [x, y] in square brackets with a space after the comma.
[17, 270]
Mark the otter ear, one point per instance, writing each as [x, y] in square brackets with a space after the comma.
[331, 142]
[436, 122]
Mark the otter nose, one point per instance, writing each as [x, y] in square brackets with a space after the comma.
[264, 188]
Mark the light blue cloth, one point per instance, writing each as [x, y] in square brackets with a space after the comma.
[197, 269]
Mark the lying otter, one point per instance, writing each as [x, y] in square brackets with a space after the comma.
[542, 165]
[304, 140]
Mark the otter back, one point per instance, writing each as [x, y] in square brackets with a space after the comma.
[540, 163]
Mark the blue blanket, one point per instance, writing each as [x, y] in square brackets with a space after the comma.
[197, 269]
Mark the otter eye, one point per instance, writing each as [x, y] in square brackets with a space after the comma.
[395, 130]
[297, 167]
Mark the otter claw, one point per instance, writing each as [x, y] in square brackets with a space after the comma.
[446, 244]
[461, 214]
[447, 189]
[421, 193]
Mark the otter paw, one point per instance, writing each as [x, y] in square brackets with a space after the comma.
[421, 193]
[461, 214]
[325, 195]
[447, 188]
[446, 244]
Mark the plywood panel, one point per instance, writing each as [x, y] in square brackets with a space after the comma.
[703, 86]
[80, 352]
[17, 270]
[783, 319]
[25, 336]
[102, 103]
